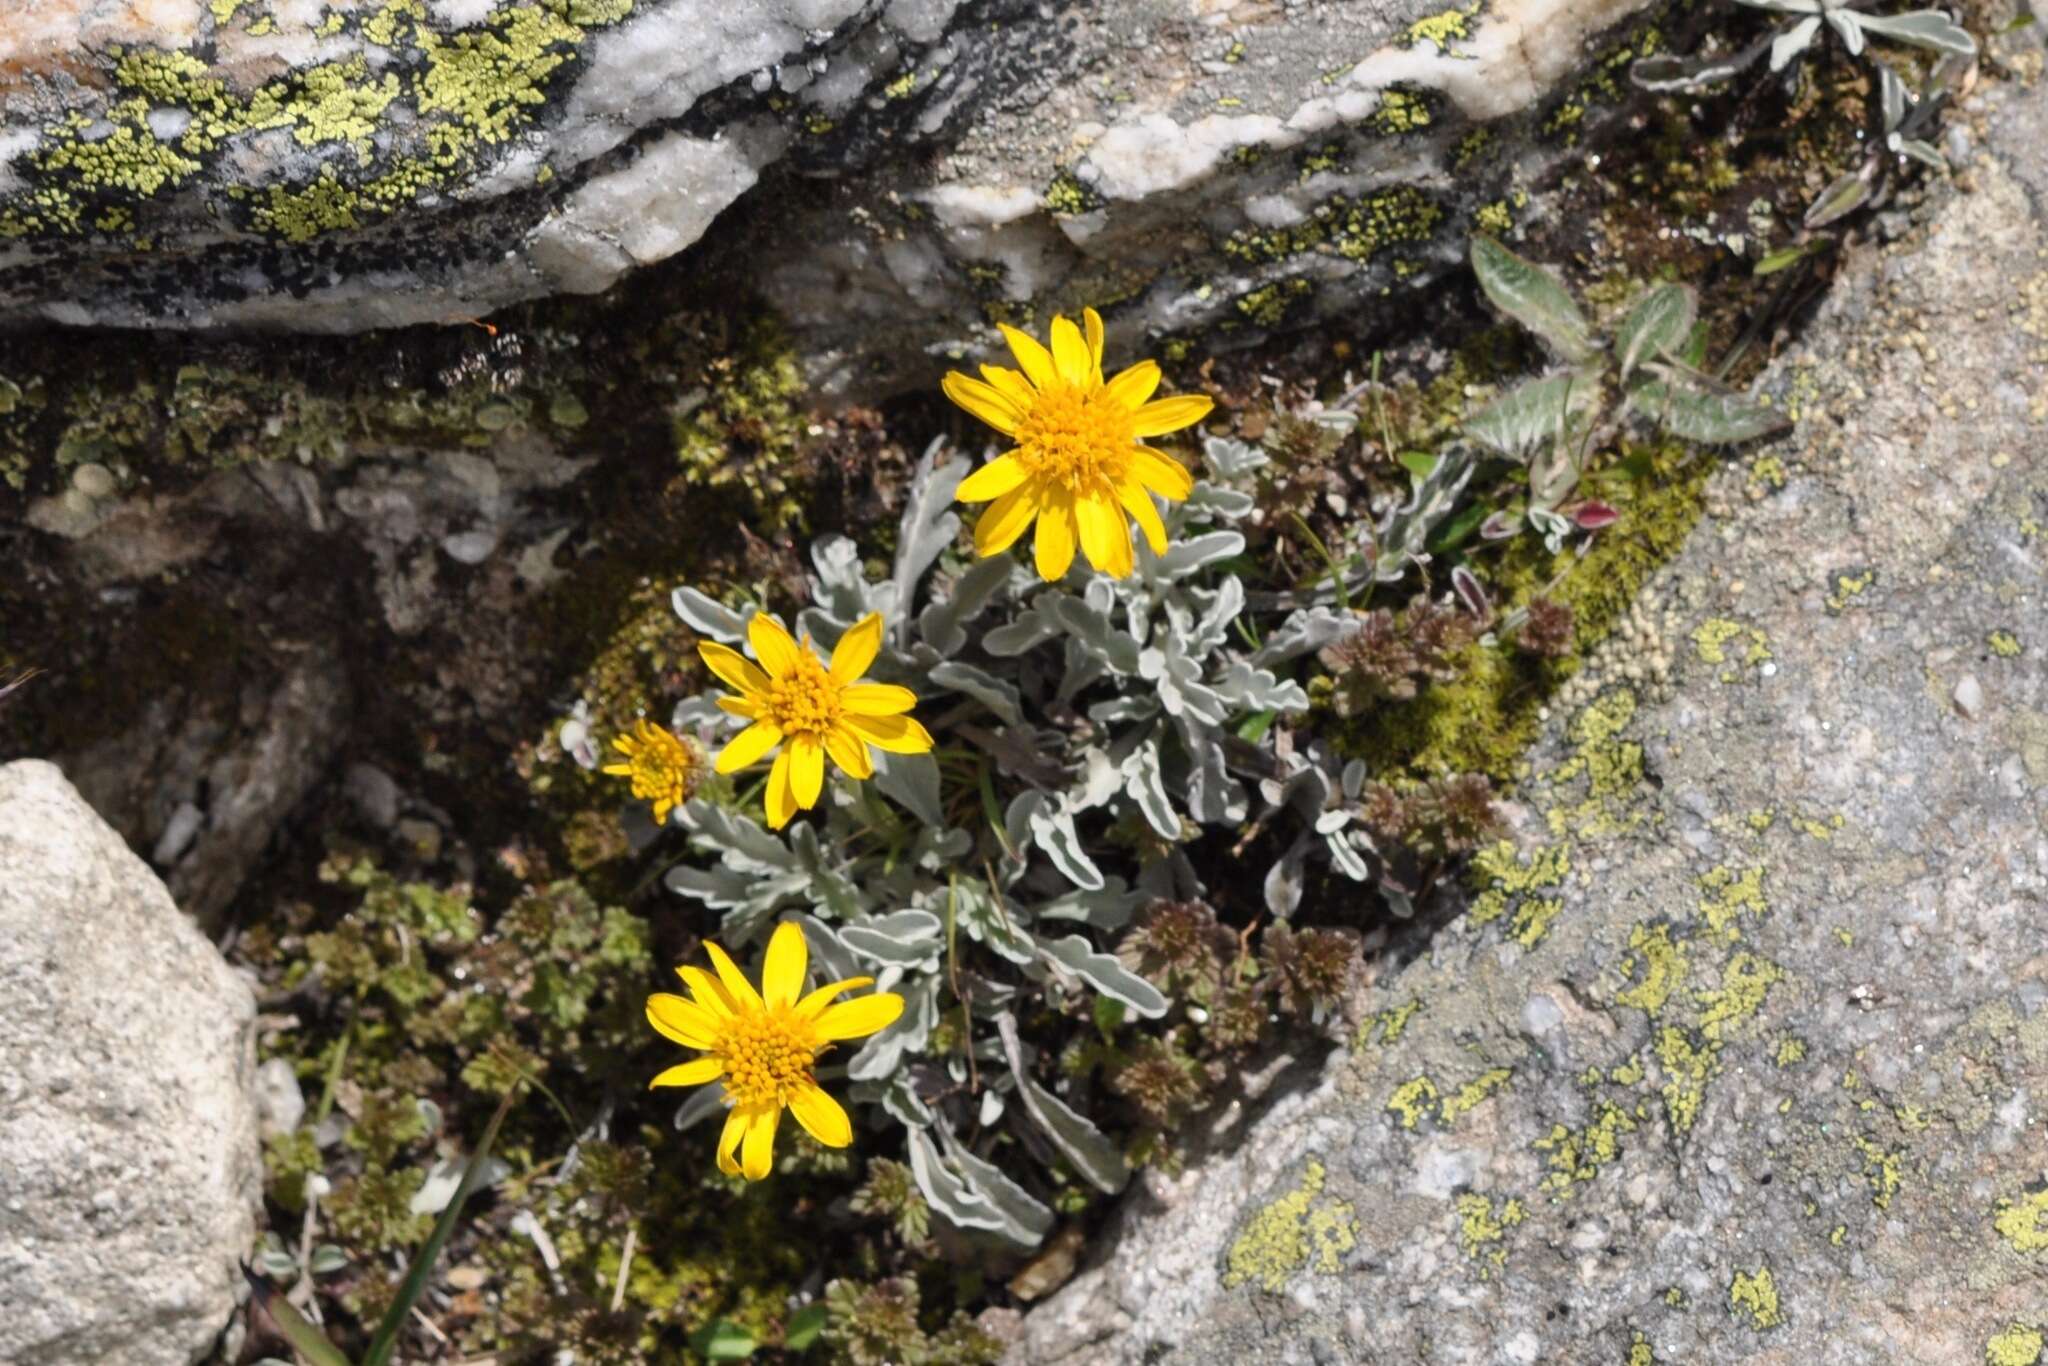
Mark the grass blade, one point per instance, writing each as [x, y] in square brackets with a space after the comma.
[415, 1283]
[308, 1341]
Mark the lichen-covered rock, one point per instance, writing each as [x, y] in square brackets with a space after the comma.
[128, 1157]
[1740, 1051]
[1185, 167]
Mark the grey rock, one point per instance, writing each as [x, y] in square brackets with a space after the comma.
[915, 170]
[129, 1170]
[1790, 1109]
[280, 1104]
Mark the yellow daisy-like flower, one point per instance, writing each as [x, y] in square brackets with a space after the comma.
[1080, 468]
[818, 709]
[762, 1045]
[664, 768]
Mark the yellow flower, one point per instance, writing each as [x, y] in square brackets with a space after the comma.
[1079, 468]
[665, 770]
[818, 709]
[762, 1045]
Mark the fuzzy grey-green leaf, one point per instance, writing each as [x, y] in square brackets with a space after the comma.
[1533, 297]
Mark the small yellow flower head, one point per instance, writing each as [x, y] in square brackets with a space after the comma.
[665, 769]
[763, 1044]
[1079, 469]
[815, 707]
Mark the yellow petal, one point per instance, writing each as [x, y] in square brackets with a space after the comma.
[1091, 324]
[744, 997]
[1035, 360]
[857, 649]
[695, 1072]
[625, 744]
[782, 972]
[619, 770]
[740, 706]
[876, 699]
[1011, 385]
[708, 992]
[1005, 520]
[757, 1155]
[811, 1006]
[781, 804]
[985, 401]
[821, 1117]
[1056, 534]
[1163, 476]
[748, 747]
[850, 752]
[735, 668]
[806, 770]
[860, 1017]
[1070, 353]
[729, 1140]
[1171, 414]
[1133, 386]
[1105, 532]
[896, 734]
[681, 1021]
[1139, 504]
[992, 480]
[775, 647]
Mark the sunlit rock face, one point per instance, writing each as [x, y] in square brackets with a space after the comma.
[916, 168]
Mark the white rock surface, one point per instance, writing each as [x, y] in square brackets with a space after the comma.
[129, 1168]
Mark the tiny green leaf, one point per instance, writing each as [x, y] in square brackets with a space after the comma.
[1533, 297]
[307, 1340]
[1657, 326]
[1709, 418]
[805, 1325]
[723, 1341]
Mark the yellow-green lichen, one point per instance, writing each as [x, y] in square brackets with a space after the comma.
[2004, 644]
[1481, 1226]
[1577, 1155]
[1688, 1067]
[1847, 588]
[1790, 1050]
[2023, 1222]
[1727, 895]
[1401, 111]
[1663, 965]
[1756, 1298]
[1357, 229]
[1297, 1231]
[1444, 28]
[1745, 980]
[1067, 197]
[1502, 875]
[2020, 1344]
[1639, 1351]
[1412, 1100]
[1471, 1093]
[1532, 920]
[1880, 1169]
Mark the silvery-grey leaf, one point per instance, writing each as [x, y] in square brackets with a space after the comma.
[898, 1098]
[1925, 153]
[990, 1109]
[840, 592]
[1146, 785]
[1844, 195]
[935, 849]
[1052, 830]
[883, 1053]
[989, 921]
[699, 713]
[1534, 414]
[1398, 902]
[928, 526]
[1223, 504]
[1404, 535]
[1928, 28]
[1032, 627]
[1847, 25]
[1533, 297]
[951, 1198]
[1251, 689]
[272, 1260]
[1098, 1160]
[1025, 1213]
[700, 1105]
[1017, 817]
[742, 842]
[1221, 611]
[994, 693]
[1108, 907]
[1229, 458]
[1353, 781]
[1285, 878]
[1106, 974]
[1091, 628]
[1891, 91]
[1100, 781]
[1658, 325]
[1305, 629]
[912, 782]
[1346, 857]
[707, 616]
[1665, 74]
[1214, 797]
[326, 1260]
[1186, 557]
[942, 623]
[1553, 473]
[831, 961]
[1793, 41]
[1710, 418]
[906, 938]
[1785, 6]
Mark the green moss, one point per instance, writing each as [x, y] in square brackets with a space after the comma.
[1295, 1232]
[1755, 1296]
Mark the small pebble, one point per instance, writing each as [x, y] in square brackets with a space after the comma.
[1969, 697]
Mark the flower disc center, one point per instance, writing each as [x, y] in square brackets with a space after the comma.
[805, 700]
[1075, 436]
[768, 1055]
